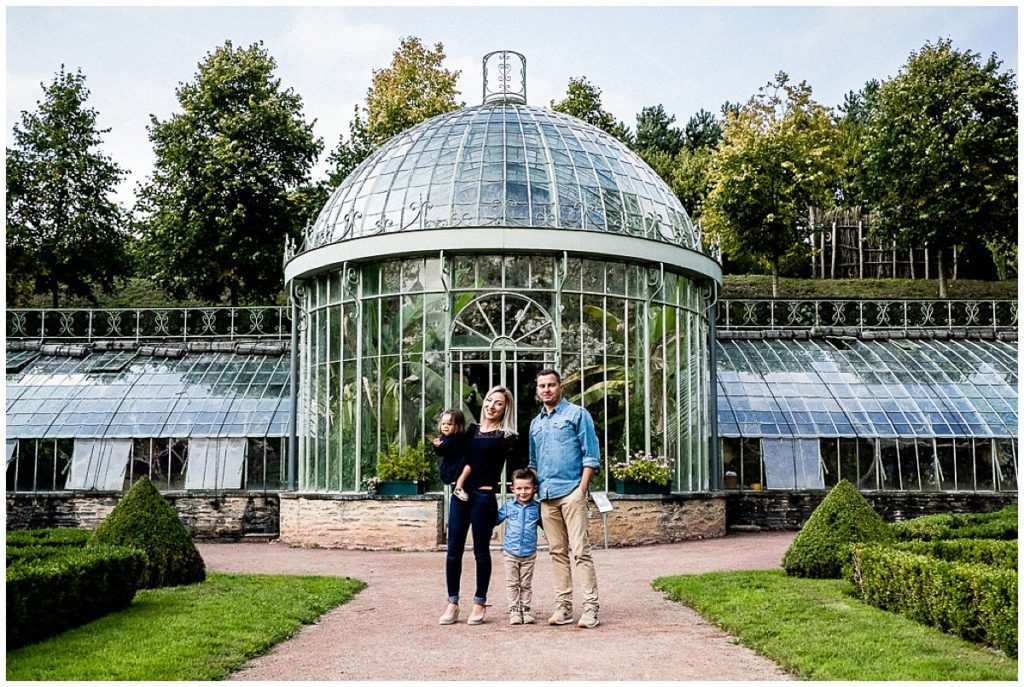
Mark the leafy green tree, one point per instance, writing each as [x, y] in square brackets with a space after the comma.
[940, 155]
[227, 183]
[777, 158]
[415, 87]
[691, 179]
[852, 131]
[64, 233]
[583, 101]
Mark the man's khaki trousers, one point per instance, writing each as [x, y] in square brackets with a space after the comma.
[565, 526]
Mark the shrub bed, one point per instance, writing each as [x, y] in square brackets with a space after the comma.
[842, 519]
[1000, 524]
[63, 536]
[52, 589]
[975, 601]
[994, 552]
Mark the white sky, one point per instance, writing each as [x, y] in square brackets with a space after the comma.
[684, 57]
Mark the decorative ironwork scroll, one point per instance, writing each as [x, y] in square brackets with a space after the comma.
[504, 77]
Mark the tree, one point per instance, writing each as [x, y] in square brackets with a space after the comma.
[691, 180]
[655, 133]
[227, 181]
[777, 158]
[63, 230]
[414, 88]
[852, 132]
[940, 157]
[583, 101]
[703, 130]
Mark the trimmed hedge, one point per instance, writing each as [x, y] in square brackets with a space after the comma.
[52, 589]
[994, 552]
[143, 519]
[842, 519]
[58, 536]
[975, 601]
[1000, 524]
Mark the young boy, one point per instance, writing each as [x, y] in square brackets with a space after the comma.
[522, 517]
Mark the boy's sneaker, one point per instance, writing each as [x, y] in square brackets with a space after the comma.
[460, 494]
[562, 616]
[589, 618]
[528, 618]
[515, 618]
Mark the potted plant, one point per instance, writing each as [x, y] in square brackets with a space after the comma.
[401, 471]
[642, 473]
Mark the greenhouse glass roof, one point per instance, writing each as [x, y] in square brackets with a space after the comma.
[867, 388]
[122, 394]
[503, 165]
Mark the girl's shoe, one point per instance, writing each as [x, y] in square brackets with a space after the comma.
[451, 615]
[460, 494]
[477, 616]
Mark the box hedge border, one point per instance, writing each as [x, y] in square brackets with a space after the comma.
[975, 601]
[52, 589]
[1000, 524]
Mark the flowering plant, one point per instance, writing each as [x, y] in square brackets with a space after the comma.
[642, 467]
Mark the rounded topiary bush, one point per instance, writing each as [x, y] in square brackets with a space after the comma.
[823, 546]
[143, 519]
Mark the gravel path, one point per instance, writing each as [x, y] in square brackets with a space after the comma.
[389, 631]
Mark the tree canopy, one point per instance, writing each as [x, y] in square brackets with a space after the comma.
[414, 88]
[940, 152]
[229, 181]
[777, 158]
[583, 101]
[64, 233]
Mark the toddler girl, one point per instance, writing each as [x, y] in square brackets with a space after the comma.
[450, 445]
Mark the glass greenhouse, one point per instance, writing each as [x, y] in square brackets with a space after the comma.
[480, 247]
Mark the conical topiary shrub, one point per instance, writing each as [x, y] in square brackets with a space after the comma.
[823, 546]
[143, 519]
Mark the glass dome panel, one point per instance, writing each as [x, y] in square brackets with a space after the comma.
[504, 165]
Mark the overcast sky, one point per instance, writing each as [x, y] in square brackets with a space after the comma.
[685, 58]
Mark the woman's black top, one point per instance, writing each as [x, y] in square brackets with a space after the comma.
[486, 454]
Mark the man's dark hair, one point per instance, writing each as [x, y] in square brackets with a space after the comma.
[523, 473]
[548, 371]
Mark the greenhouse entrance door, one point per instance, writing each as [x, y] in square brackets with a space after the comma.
[500, 338]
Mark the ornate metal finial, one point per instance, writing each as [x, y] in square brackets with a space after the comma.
[509, 80]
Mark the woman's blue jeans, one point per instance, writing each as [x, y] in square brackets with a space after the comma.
[479, 513]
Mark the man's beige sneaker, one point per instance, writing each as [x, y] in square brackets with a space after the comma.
[589, 618]
[562, 616]
[515, 618]
[528, 618]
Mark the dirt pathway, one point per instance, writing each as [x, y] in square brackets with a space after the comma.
[389, 631]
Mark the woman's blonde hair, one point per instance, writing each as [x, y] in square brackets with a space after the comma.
[506, 425]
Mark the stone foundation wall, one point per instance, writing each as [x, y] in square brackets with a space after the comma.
[213, 516]
[783, 510]
[356, 521]
[638, 520]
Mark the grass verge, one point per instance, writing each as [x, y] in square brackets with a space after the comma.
[193, 632]
[816, 630]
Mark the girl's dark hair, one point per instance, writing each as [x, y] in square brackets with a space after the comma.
[458, 419]
[523, 473]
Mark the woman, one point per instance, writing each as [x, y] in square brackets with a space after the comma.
[489, 445]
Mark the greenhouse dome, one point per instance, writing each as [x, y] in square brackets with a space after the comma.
[480, 247]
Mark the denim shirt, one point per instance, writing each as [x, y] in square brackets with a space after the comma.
[521, 523]
[562, 443]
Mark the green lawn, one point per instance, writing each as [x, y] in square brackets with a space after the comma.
[815, 630]
[193, 632]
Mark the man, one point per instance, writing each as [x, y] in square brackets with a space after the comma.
[564, 454]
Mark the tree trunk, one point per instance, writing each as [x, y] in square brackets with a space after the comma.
[941, 269]
[55, 293]
[233, 296]
[775, 278]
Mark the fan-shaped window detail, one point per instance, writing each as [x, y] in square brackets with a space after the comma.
[503, 321]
